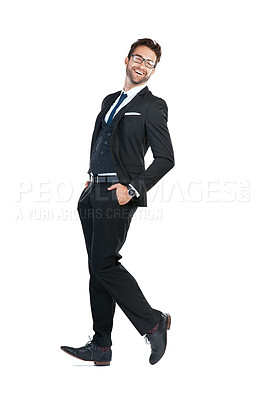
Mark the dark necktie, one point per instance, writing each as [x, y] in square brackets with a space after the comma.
[111, 116]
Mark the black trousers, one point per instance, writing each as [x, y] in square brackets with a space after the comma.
[105, 224]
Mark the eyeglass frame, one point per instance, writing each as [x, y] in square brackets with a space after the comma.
[143, 59]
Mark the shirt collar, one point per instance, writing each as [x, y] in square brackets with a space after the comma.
[134, 90]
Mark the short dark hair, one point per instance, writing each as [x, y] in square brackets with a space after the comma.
[151, 44]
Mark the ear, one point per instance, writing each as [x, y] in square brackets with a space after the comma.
[126, 60]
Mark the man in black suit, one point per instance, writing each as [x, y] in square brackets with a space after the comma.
[130, 121]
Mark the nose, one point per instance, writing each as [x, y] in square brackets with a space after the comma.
[141, 66]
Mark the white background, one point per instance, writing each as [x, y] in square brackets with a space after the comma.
[198, 252]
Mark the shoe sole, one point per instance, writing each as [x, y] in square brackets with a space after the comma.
[101, 364]
[98, 363]
[168, 322]
[167, 328]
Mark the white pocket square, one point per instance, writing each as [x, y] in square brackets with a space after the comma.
[132, 113]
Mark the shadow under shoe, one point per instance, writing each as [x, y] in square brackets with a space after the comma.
[158, 339]
[90, 352]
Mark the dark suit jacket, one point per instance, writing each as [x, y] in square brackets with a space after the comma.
[131, 138]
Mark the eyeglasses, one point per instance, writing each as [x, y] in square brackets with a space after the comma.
[139, 60]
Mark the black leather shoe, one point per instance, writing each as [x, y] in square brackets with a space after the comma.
[90, 352]
[158, 339]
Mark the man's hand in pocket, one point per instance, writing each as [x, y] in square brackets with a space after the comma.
[121, 193]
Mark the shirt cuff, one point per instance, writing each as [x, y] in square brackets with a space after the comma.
[132, 187]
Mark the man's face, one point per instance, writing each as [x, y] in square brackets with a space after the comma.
[139, 73]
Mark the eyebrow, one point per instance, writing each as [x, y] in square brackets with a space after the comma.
[147, 59]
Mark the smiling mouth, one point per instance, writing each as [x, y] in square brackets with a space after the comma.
[138, 72]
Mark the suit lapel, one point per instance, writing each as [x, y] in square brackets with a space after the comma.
[100, 117]
[118, 116]
[117, 119]
[124, 109]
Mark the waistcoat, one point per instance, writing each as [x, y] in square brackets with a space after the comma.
[101, 158]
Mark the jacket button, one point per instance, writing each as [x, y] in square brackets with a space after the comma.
[102, 152]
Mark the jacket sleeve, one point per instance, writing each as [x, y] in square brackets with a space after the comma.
[161, 146]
